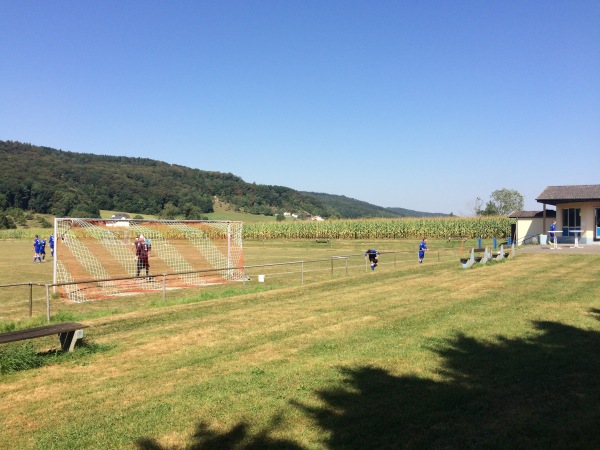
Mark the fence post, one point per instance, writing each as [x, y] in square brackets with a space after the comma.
[395, 255]
[165, 287]
[331, 266]
[302, 272]
[30, 299]
[346, 266]
[244, 275]
[48, 303]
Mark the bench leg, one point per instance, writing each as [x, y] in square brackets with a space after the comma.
[67, 340]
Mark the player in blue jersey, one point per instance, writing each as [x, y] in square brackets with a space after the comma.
[37, 249]
[373, 257]
[422, 250]
[552, 229]
[43, 249]
[51, 244]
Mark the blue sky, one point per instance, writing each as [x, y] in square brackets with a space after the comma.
[424, 105]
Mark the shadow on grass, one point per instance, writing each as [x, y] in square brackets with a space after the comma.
[237, 438]
[536, 392]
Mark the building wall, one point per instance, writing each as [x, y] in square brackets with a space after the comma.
[588, 219]
[528, 227]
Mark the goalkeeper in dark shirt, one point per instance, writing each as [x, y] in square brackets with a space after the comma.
[141, 252]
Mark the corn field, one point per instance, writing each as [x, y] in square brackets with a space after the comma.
[435, 228]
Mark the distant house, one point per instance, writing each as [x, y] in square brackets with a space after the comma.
[120, 220]
[317, 218]
[530, 225]
[577, 211]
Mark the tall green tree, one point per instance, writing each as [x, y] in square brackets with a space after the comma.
[502, 202]
[169, 212]
[192, 212]
[6, 222]
[507, 201]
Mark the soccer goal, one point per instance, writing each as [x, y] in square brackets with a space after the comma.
[191, 252]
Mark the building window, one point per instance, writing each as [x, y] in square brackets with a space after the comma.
[571, 221]
[597, 235]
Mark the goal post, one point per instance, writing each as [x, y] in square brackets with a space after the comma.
[200, 252]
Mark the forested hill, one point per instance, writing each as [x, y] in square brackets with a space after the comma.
[62, 183]
[353, 209]
[50, 181]
[412, 213]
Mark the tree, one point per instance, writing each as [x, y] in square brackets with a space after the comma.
[192, 212]
[490, 210]
[506, 201]
[477, 208]
[3, 202]
[43, 222]
[6, 222]
[169, 212]
[502, 202]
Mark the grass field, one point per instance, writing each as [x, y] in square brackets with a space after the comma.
[433, 356]
[308, 262]
[221, 212]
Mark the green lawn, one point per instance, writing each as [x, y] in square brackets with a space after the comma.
[17, 267]
[433, 356]
[220, 213]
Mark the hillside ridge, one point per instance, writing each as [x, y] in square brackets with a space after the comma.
[70, 184]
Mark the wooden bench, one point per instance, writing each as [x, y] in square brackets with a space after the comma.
[498, 256]
[501, 253]
[469, 262]
[479, 250]
[68, 333]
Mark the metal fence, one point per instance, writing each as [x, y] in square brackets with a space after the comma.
[30, 298]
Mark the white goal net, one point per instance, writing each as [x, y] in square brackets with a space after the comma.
[97, 257]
